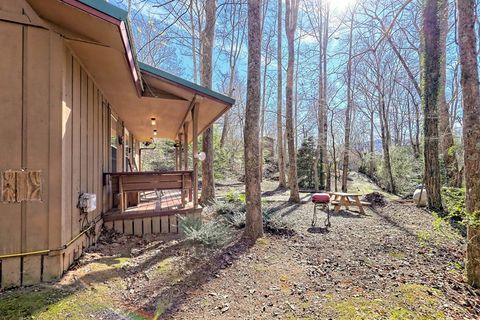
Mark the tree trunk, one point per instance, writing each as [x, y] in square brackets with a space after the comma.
[208, 34]
[263, 109]
[323, 101]
[291, 13]
[226, 124]
[194, 45]
[254, 223]
[319, 181]
[385, 132]
[282, 181]
[471, 133]
[371, 167]
[447, 144]
[348, 111]
[334, 154]
[430, 94]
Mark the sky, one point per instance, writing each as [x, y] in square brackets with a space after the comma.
[175, 54]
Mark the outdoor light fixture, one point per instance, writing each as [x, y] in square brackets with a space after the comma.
[201, 156]
[154, 122]
[155, 132]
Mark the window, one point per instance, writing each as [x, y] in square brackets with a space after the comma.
[126, 162]
[113, 142]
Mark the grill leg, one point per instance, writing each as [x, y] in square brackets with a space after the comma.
[327, 221]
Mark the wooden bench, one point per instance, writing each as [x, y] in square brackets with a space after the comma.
[125, 182]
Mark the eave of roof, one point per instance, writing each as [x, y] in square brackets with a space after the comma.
[120, 14]
[106, 8]
[185, 83]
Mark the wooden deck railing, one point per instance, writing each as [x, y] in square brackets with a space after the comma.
[123, 182]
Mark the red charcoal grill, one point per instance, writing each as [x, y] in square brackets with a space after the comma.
[321, 201]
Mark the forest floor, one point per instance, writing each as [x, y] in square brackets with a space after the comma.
[395, 262]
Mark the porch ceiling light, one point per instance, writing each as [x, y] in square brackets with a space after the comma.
[154, 122]
[155, 132]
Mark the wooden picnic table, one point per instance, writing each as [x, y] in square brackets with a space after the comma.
[347, 200]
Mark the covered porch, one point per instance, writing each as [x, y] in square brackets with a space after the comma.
[145, 202]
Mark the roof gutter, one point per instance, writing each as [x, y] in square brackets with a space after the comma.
[118, 18]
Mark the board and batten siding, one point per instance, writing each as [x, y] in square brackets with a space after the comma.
[55, 120]
[30, 136]
[85, 152]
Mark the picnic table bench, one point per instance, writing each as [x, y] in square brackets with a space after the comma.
[347, 200]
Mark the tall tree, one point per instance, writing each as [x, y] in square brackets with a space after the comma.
[282, 181]
[447, 143]
[323, 137]
[208, 35]
[318, 17]
[348, 110]
[471, 133]
[254, 223]
[430, 94]
[234, 37]
[291, 14]
[267, 59]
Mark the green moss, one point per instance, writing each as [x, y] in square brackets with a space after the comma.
[423, 237]
[80, 305]
[410, 301]
[110, 263]
[164, 266]
[454, 201]
[22, 304]
[53, 304]
[263, 241]
[396, 254]
[162, 306]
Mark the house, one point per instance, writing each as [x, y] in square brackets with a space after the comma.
[75, 105]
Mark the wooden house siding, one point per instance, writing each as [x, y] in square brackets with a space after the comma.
[85, 152]
[30, 134]
[54, 119]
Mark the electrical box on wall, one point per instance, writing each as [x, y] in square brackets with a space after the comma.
[87, 202]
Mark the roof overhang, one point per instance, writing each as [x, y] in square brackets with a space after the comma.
[98, 34]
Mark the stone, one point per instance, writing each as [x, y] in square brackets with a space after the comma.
[421, 202]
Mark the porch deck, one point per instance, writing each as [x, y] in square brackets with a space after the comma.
[170, 203]
[159, 199]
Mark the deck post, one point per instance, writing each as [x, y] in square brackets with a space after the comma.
[180, 151]
[122, 196]
[184, 191]
[194, 153]
[185, 145]
[176, 154]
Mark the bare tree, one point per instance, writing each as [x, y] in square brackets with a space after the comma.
[318, 17]
[282, 181]
[471, 133]
[291, 15]
[208, 34]
[447, 143]
[267, 60]
[233, 36]
[254, 223]
[430, 95]
[348, 110]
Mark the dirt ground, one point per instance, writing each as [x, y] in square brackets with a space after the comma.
[396, 262]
